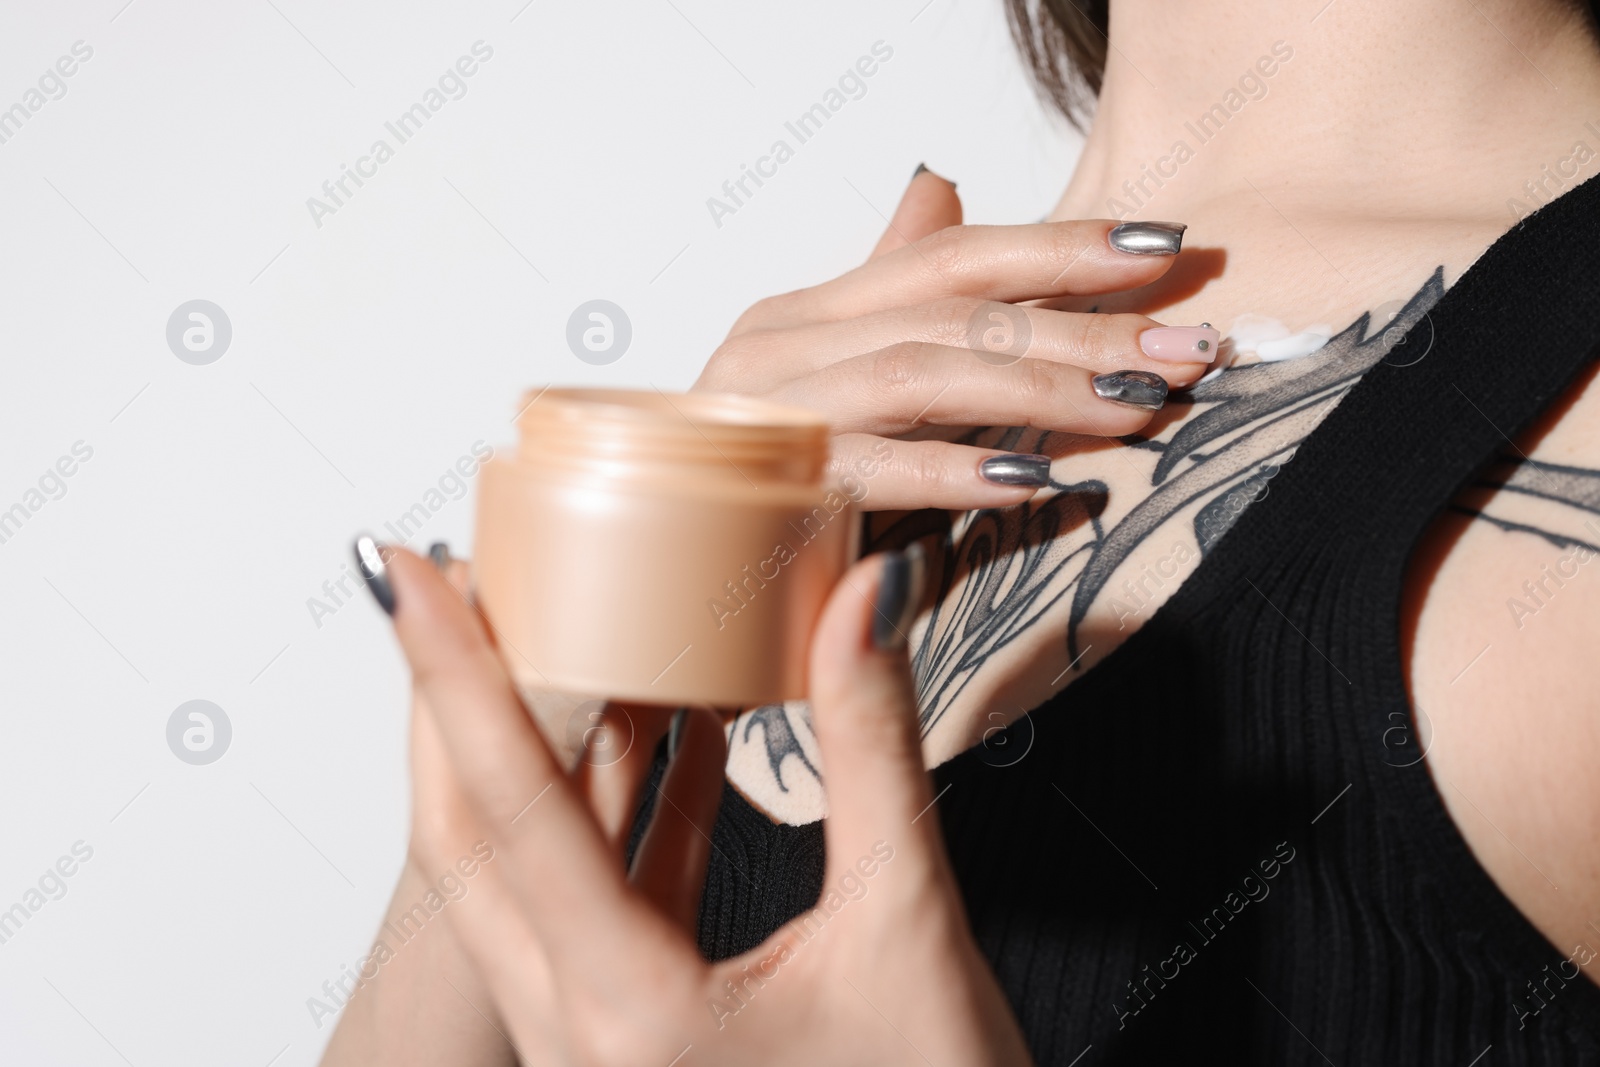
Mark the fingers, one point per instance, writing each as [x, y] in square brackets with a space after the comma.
[493, 930]
[517, 791]
[670, 866]
[619, 749]
[885, 475]
[619, 745]
[994, 332]
[864, 712]
[487, 919]
[1003, 263]
[929, 204]
[446, 837]
[439, 811]
[910, 385]
[456, 571]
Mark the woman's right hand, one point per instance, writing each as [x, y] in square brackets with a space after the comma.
[932, 332]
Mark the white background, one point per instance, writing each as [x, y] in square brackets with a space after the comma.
[368, 355]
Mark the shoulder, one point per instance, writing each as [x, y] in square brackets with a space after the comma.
[1503, 629]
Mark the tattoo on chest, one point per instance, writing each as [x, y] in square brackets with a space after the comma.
[1557, 504]
[777, 725]
[1002, 570]
[1068, 553]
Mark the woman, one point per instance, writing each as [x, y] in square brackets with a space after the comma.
[1304, 615]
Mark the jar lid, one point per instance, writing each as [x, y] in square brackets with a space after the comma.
[652, 434]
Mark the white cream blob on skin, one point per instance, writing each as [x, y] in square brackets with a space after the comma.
[1269, 340]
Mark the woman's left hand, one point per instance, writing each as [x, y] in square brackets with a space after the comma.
[591, 963]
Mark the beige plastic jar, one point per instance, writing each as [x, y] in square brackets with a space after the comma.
[660, 548]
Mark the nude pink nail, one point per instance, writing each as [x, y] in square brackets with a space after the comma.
[1181, 344]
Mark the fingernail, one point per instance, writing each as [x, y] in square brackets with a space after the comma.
[439, 552]
[372, 561]
[1016, 469]
[899, 596]
[1136, 388]
[1148, 238]
[675, 731]
[1181, 344]
[922, 168]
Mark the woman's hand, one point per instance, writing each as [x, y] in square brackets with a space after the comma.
[932, 332]
[589, 963]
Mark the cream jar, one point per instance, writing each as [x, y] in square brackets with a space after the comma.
[660, 548]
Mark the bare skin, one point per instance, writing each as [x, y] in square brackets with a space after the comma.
[1379, 155]
[1318, 203]
[581, 958]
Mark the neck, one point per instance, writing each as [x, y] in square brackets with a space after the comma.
[1379, 106]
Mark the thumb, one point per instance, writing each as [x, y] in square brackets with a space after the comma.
[864, 712]
[929, 204]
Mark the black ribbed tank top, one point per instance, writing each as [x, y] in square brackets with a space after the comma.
[1217, 848]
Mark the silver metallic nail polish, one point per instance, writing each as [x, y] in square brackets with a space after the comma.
[922, 168]
[1016, 469]
[439, 552]
[372, 561]
[1136, 388]
[899, 597]
[1148, 238]
[675, 731]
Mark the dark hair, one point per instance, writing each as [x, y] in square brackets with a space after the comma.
[1064, 45]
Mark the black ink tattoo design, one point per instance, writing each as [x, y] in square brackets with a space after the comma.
[998, 571]
[778, 734]
[1576, 524]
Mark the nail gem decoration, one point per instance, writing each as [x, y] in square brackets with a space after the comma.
[1181, 344]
